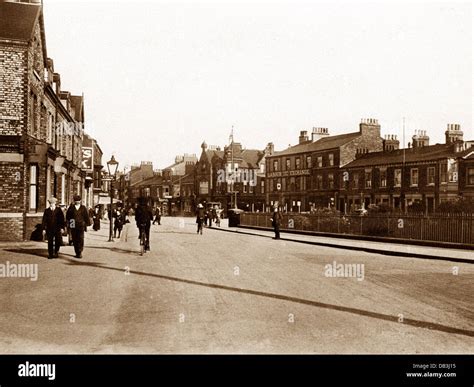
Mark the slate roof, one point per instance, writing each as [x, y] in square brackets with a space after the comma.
[329, 142]
[251, 157]
[432, 152]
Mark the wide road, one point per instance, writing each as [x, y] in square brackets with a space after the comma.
[228, 293]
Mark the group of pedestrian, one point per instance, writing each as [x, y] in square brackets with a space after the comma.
[55, 224]
[205, 217]
[78, 218]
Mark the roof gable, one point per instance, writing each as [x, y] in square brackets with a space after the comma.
[18, 20]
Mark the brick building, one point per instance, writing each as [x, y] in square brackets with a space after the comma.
[306, 175]
[418, 178]
[171, 188]
[466, 174]
[224, 175]
[130, 182]
[40, 125]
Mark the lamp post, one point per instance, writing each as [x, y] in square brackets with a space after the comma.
[112, 166]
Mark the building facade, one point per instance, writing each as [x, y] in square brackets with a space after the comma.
[171, 189]
[233, 177]
[418, 178]
[92, 165]
[40, 125]
[307, 175]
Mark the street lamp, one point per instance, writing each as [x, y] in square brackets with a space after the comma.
[112, 166]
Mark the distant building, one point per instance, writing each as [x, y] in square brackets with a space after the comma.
[233, 177]
[171, 188]
[307, 175]
[130, 181]
[420, 177]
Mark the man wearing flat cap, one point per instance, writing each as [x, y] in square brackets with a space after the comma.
[78, 220]
[53, 225]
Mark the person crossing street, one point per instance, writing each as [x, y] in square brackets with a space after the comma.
[200, 217]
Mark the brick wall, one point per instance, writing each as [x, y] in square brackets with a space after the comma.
[13, 84]
[35, 86]
[370, 140]
[11, 229]
[11, 187]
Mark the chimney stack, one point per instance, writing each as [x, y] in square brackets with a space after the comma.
[453, 133]
[369, 126]
[269, 149]
[420, 139]
[303, 136]
[319, 133]
[390, 143]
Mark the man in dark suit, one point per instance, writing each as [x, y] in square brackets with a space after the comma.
[77, 220]
[200, 217]
[276, 222]
[143, 218]
[53, 225]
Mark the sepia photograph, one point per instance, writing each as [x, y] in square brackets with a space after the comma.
[237, 178]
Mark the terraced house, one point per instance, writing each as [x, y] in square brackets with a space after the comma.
[418, 178]
[40, 124]
[307, 175]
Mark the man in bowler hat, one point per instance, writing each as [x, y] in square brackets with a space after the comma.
[53, 225]
[77, 220]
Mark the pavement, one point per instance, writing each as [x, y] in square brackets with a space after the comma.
[230, 292]
[389, 248]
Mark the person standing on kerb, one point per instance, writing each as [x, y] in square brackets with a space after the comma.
[276, 222]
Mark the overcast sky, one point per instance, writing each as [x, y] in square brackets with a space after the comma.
[161, 77]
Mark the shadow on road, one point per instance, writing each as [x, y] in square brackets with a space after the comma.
[346, 309]
[174, 232]
[43, 253]
[113, 249]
